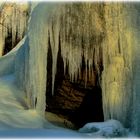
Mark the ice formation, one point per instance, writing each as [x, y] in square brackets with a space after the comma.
[77, 38]
[60, 29]
[117, 60]
[13, 20]
[103, 39]
[106, 38]
[110, 128]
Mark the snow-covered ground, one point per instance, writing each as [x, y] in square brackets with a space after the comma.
[17, 120]
[14, 114]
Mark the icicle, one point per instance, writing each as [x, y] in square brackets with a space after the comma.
[77, 37]
[14, 22]
[117, 90]
[55, 38]
[1, 41]
[38, 43]
[85, 68]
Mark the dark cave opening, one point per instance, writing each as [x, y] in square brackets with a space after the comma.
[90, 109]
[72, 100]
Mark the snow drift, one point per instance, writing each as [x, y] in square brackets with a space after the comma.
[110, 128]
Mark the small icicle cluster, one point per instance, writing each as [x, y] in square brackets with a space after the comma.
[13, 20]
[117, 61]
[81, 35]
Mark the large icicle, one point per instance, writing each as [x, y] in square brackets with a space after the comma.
[32, 75]
[39, 32]
[54, 32]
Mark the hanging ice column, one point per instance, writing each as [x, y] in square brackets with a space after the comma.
[117, 78]
[31, 61]
[41, 30]
[13, 19]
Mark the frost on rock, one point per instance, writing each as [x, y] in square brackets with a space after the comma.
[13, 20]
[110, 128]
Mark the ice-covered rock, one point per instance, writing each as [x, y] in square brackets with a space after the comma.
[110, 128]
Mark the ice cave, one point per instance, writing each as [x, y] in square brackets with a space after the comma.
[79, 61]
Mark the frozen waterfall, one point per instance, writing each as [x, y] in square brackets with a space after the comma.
[117, 60]
[106, 38]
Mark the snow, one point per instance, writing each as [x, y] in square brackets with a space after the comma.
[110, 128]
[15, 114]
[41, 133]
[14, 111]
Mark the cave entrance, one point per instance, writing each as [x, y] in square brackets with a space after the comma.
[72, 100]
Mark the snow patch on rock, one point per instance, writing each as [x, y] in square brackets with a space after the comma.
[110, 128]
